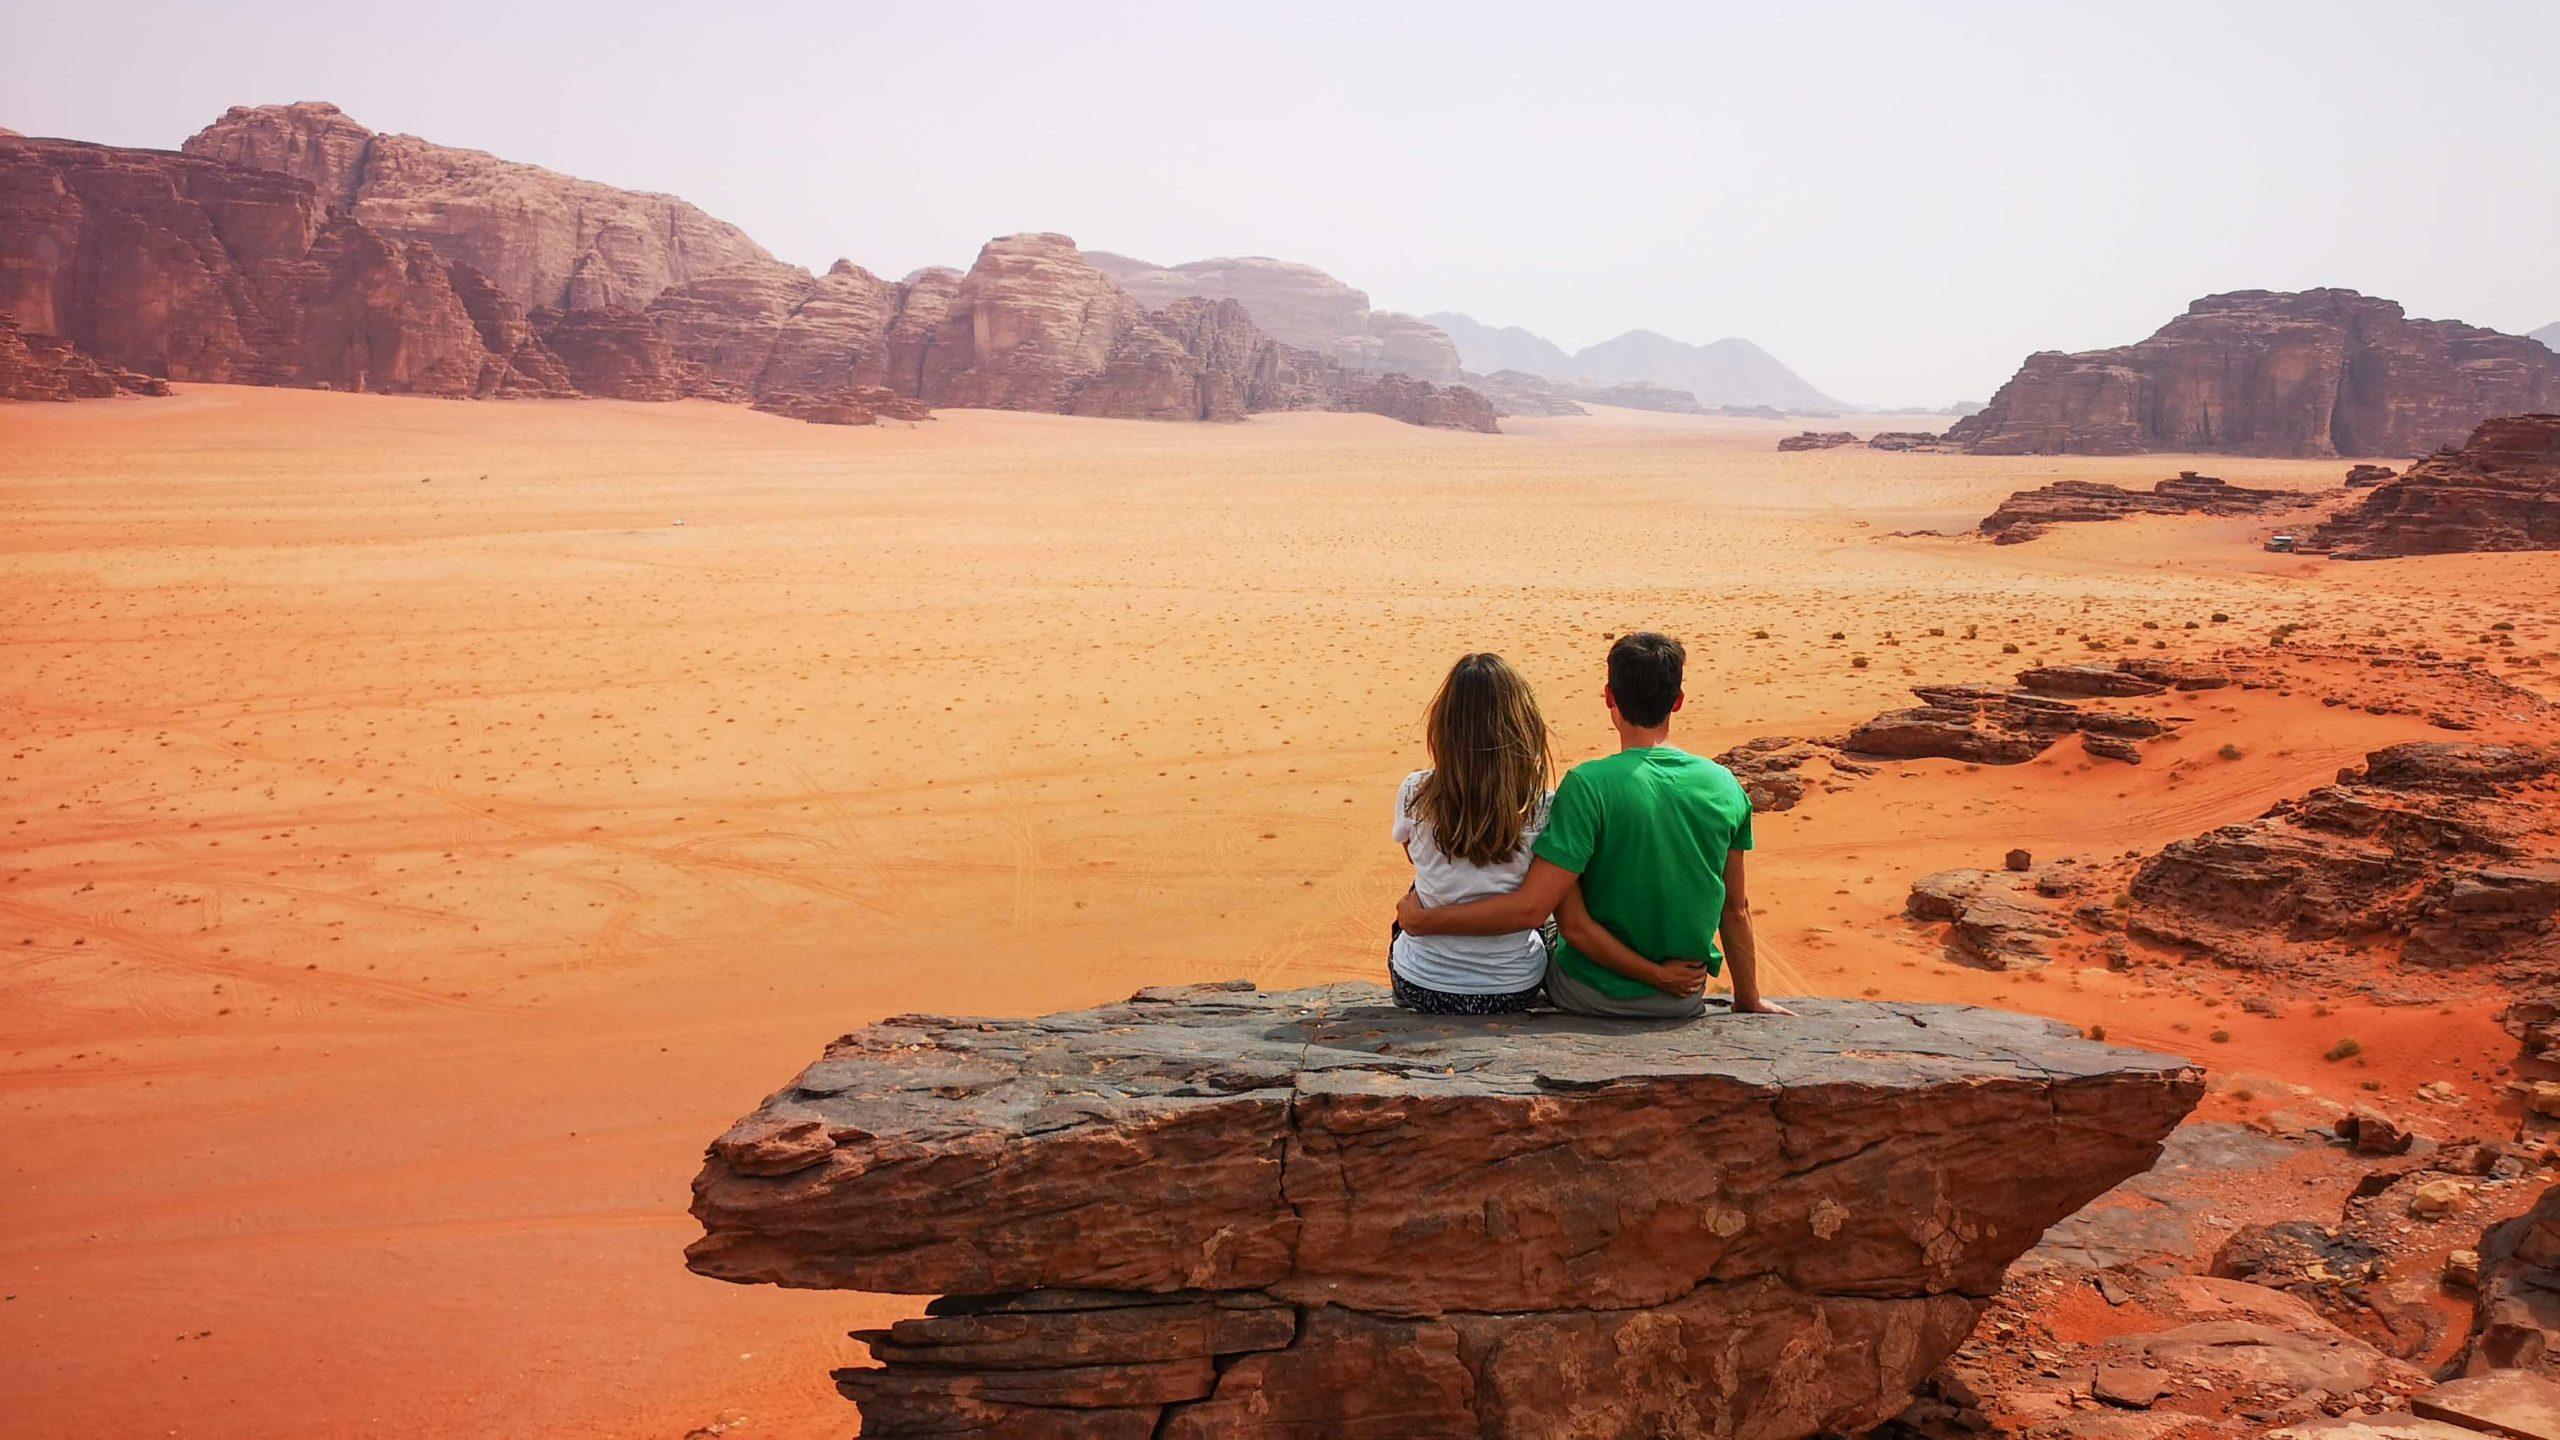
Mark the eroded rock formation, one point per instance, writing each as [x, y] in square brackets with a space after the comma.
[48, 367]
[1818, 440]
[1031, 326]
[1517, 392]
[291, 245]
[2500, 490]
[1214, 1212]
[2256, 372]
[1992, 725]
[2028, 514]
[2447, 854]
[1297, 305]
[2516, 1315]
[181, 268]
[543, 238]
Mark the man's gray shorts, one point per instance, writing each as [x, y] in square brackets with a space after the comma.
[1576, 997]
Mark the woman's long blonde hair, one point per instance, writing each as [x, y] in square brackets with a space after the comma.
[1490, 761]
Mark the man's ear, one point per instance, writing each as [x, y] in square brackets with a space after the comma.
[1609, 697]
[1679, 700]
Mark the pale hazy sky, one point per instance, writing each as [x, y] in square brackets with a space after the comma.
[1898, 200]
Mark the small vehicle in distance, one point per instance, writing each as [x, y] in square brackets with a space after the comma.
[2280, 544]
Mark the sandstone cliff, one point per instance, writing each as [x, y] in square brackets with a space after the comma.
[1035, 326]
[2500, 490]
[177, 267]
[293, 246]
[546, 239]
[48, 367]
[2318, 373]
[1297, 305]
[2028, 514]
[1215, 1212]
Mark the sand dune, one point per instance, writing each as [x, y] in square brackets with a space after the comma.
[427, 823]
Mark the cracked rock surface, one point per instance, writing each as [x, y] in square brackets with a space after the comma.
[1215, 1211]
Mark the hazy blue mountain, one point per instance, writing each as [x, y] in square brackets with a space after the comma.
[2549, 335]
[1488, 348]
[1722, 372]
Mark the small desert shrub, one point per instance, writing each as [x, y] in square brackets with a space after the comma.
[2343, 1050]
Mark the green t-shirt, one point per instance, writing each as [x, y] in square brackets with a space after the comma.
[1649, 832]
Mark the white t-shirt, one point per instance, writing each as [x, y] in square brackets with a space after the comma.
[1465, 964]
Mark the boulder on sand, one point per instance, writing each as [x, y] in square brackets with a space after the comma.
[1211, 1211]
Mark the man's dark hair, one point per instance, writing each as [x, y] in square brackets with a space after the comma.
[1644, 673]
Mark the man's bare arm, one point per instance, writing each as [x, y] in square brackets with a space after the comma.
[1525, 908]
[1741, 949]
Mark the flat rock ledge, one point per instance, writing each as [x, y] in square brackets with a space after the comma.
[1212, 1211]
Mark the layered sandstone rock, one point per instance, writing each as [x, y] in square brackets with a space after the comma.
[2500, 490]
[1297, 305]
[187, 269]
[2445, 854]
[2516, 1315]
[544, 238]
[48, 367]
[1516, 392]
[1418, 402]
[612, 354]
[1990, 725]
[1215, 1212]
[2027, 514]
[2255, 372]
[1636, 395]
[1033, 326]
[1818, 440]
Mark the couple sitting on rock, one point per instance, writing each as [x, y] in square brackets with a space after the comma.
[1636, 858]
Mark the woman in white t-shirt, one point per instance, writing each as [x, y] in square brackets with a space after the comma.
[1467, 824]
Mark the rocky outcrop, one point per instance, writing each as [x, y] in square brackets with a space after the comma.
[186, 269]
[543, 238]
[1818, 440]
[2515, 1320]
[2446, 854]
[1419, 402]
[1032, 326]
[1635, 395]
[1990, 725]
[2256, 372]
[1214, 1212]
[1991, 916]
[2027, 514]
[1298, 305]
[1516, 392]
[48, 367]
[1904, 441]
[2500, 490]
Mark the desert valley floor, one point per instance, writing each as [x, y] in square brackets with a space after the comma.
[427, 823]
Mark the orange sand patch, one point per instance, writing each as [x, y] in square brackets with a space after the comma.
[418, 843]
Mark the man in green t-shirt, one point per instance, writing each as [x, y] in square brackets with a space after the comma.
[1655, 838]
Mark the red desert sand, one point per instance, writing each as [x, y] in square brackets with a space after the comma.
[427, 822]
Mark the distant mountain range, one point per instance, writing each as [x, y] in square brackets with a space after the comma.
[2548, 335]
[1722, 372]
